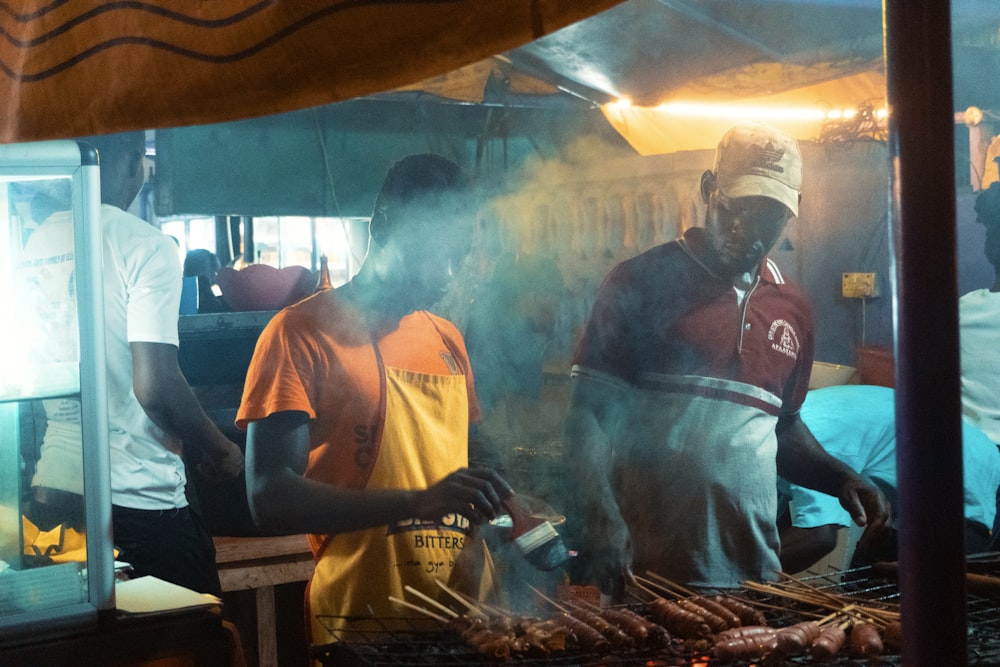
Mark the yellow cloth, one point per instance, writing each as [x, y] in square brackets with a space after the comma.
[60, 544]
[425, 438]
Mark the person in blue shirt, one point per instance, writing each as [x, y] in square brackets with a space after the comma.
[857, 425]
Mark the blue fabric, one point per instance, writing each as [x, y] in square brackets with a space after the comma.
[189, 296]
[856, 424]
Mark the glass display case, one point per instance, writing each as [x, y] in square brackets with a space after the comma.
[56, 557]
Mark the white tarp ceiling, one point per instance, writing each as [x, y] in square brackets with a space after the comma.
[820, 54]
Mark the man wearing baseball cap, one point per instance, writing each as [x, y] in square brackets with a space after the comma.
[687, 384]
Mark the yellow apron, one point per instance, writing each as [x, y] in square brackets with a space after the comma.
[425, 437]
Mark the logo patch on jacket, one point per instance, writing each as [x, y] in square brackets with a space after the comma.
[784, 339]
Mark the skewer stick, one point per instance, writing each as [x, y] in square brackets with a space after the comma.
[548, 599]
[647, 585]
[474, 604]
[810, 587]
[676, 588]
[778, 607]
[646, 589]
[830, 617]
[431, 601]
[876, 617]
[632, 591]
[827, 601]
[468, 605]
[586, 604]
[416, 607]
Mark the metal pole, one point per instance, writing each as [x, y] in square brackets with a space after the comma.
[928, 416]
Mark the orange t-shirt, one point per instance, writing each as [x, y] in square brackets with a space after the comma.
[318, 357]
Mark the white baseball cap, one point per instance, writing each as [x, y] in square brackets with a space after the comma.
[754, 159]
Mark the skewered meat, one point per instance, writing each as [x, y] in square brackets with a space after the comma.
[503, 636]
[748, 615]
[865, 641]
[753, 646]
[678, 620]
[892, 636]
[546, 637]
[796, 639]
[829, 642]
[730, 619]
[714, 622]
[645, 631]
[748, 642]
[615, 635]
[629, 622]
[746, 631]
[588, 638]
[496, 646]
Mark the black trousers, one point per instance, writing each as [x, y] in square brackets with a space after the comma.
[172, 545]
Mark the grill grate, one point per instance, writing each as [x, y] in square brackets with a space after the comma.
[392, 642]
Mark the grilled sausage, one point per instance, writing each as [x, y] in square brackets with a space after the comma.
[829, 642]
[678, 620]
[744, 647]
[865, 641]
[615, 635]
[746, 631]
[731, 620]
[747, 614]
[629, 622]
[655, 634]
[588, 638]
[713, 621]
[892, 636]
[796, 639]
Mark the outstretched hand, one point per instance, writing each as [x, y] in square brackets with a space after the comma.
[475, 493]
[868, 507]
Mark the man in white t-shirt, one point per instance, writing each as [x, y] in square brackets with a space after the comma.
[979, 320]
[151, 407]
[979, 329]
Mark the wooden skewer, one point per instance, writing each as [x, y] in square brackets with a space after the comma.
[632, 591]
[646, 589]
[431, 601]
[866, 615]
[809, 587]
[778, 607]
[416, 607]
[648, 586]
[471, 603]
[549, 600]
[468, 605]
[824, 600]
[830, 617]
[666, 584]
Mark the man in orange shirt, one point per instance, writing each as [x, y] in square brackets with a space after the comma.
[357, 407]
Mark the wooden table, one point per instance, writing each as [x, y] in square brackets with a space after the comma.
[260, 564]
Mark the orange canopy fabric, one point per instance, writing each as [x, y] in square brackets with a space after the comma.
[74, 67]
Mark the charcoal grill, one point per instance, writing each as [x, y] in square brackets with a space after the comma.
[420, 641]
